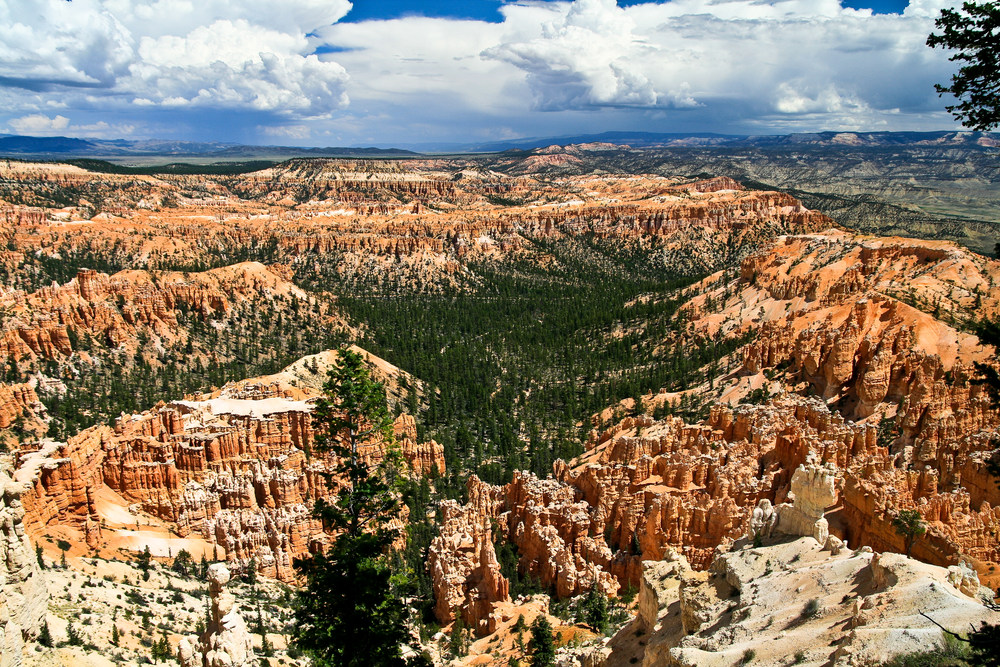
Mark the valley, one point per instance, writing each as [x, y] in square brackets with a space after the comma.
[639, 372]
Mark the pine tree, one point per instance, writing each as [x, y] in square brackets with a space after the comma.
[145, 562]
[73, 637]
[115, 635]
[251, 572]
[63, 547]
[456, 643]
[595, 610]
[38, 555]
[182, 563]
[543, 649]
[909, 524]
[348, 614]
[45, 636]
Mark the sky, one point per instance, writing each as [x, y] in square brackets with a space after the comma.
[396, 72]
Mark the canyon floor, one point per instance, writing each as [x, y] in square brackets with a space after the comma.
[705, 401]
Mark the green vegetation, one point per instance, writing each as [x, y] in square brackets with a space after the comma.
[522, 354]
[909, 524]
[350, 612]
[594, 610]
[216, 169]
[543, 649]
[183, 563]
[972, 32]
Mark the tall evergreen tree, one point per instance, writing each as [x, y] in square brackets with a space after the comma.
[349, 613]
[543, 649]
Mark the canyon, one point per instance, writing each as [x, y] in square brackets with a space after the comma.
[165, 338]
[840, 360]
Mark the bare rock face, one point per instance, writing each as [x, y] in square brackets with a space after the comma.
[19, 401]
[646, 487]
[113, 309]
[792, 598]
[233, 468]
[463, 561]
[814, 488]
[23, 595]
[226, 641]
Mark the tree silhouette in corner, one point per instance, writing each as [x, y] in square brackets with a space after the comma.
[974, 32]
[349, 613]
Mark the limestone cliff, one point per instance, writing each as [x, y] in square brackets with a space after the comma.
[234, 467]
[23, 595]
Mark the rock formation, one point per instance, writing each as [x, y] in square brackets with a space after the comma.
[23, 595]
[233, 467]
[53, 322]
[813, 490]
[793, 598]
[647, 486]
[226, 641]
[375, 217]
[836, 322]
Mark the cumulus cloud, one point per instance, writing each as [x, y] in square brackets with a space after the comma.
[222, 54]
[561, 66]
[41, 125]
[786, 57]
[37, 123]
[587, 53]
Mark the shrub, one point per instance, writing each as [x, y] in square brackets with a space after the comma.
[810, 609]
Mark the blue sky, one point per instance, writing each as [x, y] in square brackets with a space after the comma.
[489, 10]
[388, 72]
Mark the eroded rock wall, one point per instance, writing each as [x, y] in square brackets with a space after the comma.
[237, 468]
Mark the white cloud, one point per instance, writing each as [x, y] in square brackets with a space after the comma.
[37, 123]
[786, 57]
[556, 67]
[224, 54]
[42, 125]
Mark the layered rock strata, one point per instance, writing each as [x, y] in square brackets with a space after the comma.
[647, 487]
[416, 220]
[95, 308]
[235, 467]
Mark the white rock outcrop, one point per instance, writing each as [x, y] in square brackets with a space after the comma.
[814, 488]
[794, 599]
[226, 641]
[23, 595]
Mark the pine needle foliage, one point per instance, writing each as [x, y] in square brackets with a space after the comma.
[350, 613]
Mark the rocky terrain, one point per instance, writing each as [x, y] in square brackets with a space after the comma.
[770, 391]
[793, 602]
[847, 374]
[230, 473]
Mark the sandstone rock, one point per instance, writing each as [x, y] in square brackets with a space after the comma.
[23, 595]
[226, 641]
[766, 610]
[814, 488]
[231, 468]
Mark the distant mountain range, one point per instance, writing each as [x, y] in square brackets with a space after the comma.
[709, 139]
[69, 147]
[120, 149]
